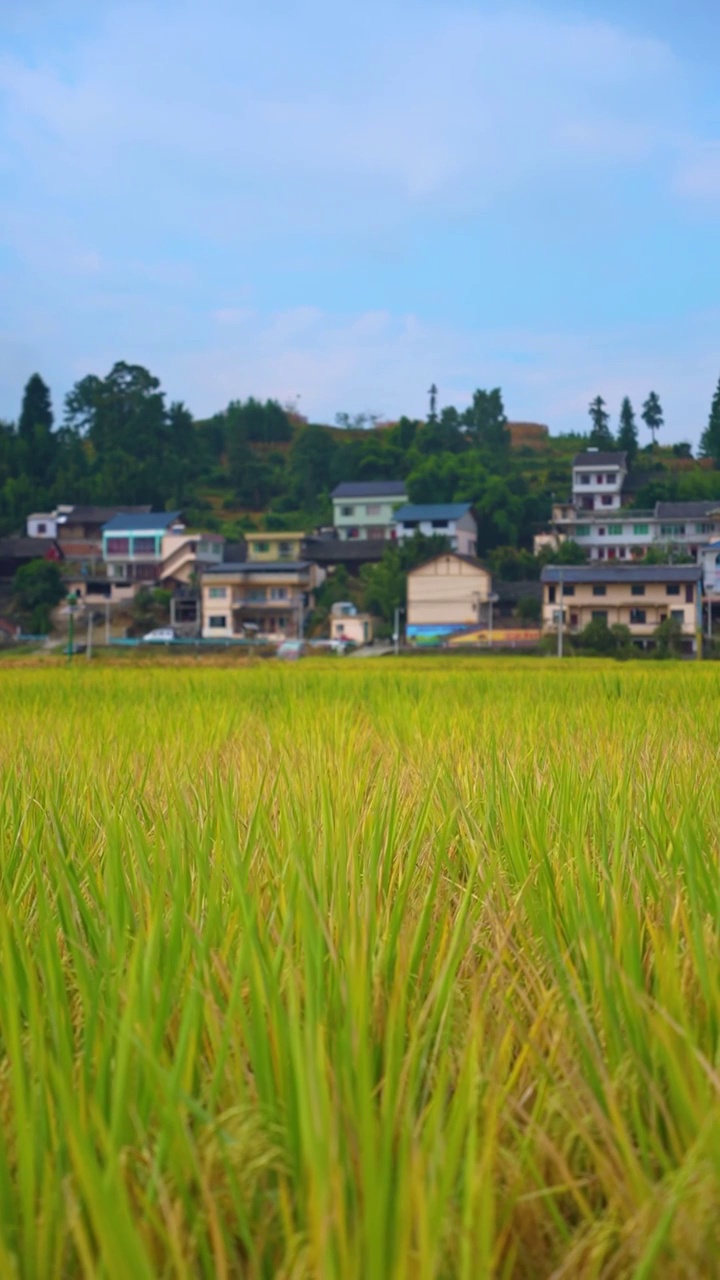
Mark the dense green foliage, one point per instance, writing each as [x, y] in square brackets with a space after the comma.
[355, 971]
[121, 441]
[37, 588]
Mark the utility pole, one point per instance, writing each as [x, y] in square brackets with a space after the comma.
[396, 629]
[561, 617]
[301, 617]
[88, 649]
[107, 623]
[492, 598]
[72, 601]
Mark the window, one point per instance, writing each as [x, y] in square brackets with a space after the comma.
[637, 589]
[615, 528]
[583, 478]
[637, 617]
[568, 590]
[278, 593]
[42, 528]
[285, 550]
[672, 589]
[255, 594]
[599, 615]
[440, 524]
[117, 546]
[218, 622]
[607, 500]
[677, 615]
[551, 595]
[671, 530]
[611, 478]
[144, 546]
[689, 593]
[641, 530]
[599, 589]
[602, 531]
[347, 511]
[217, 593]
[582, 530]
[600, 479]
[260, 547]
[374, 509]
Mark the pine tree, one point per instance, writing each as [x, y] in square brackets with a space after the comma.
[601, 436]
[36, 408]
[627, 439]
[710, 438]
[652, 414]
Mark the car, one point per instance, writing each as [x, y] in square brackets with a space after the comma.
[161, 635]
[290, 650]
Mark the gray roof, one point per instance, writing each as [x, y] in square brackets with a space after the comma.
[618, 573]
[145, 522]
[258, 566]
[344, 550]
[685, 510]
[600, 458]
[26, 548]
[370, 489]
[431, 511]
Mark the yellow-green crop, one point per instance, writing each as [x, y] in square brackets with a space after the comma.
[360, 971]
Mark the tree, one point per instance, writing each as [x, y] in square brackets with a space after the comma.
[668, 638]
[485, 420]
[36, 408]
[627, 438]
[710, 438]
[652, 414]
[601, 436]
[38, 587]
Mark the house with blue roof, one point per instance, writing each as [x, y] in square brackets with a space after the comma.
[452, 520]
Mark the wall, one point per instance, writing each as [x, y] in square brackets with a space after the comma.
[274, 546]
[39, 526]
[617, 603]
[446, 591]
[369, 516]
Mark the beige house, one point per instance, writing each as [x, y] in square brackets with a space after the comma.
[347, 625]
[263, 600]
[637, 596]
[445, 596]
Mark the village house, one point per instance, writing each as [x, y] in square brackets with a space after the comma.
[264, 599]
[599, 519]
[365, 508]
[638, 596]
[452, 520]
[270, 547]
[347, 625]
[445, 597]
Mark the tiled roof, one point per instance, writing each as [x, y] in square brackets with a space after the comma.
[25, 548]
[431, 511]
[146, 522]
[369, 489]
[344, 550]
[100, 515]
[618, 573]
[598, 458]
[685, 510]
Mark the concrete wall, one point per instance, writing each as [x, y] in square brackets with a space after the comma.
[447, 590]
[371, 517]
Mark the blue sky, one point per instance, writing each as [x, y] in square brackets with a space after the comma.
[342, 204]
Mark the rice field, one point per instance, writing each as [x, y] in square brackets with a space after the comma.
[374, 971]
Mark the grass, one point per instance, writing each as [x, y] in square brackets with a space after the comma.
[344, 970]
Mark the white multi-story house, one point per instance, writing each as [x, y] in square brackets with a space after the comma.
[597, 520]
[452, 520]
[365, 508]
[597, 480]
